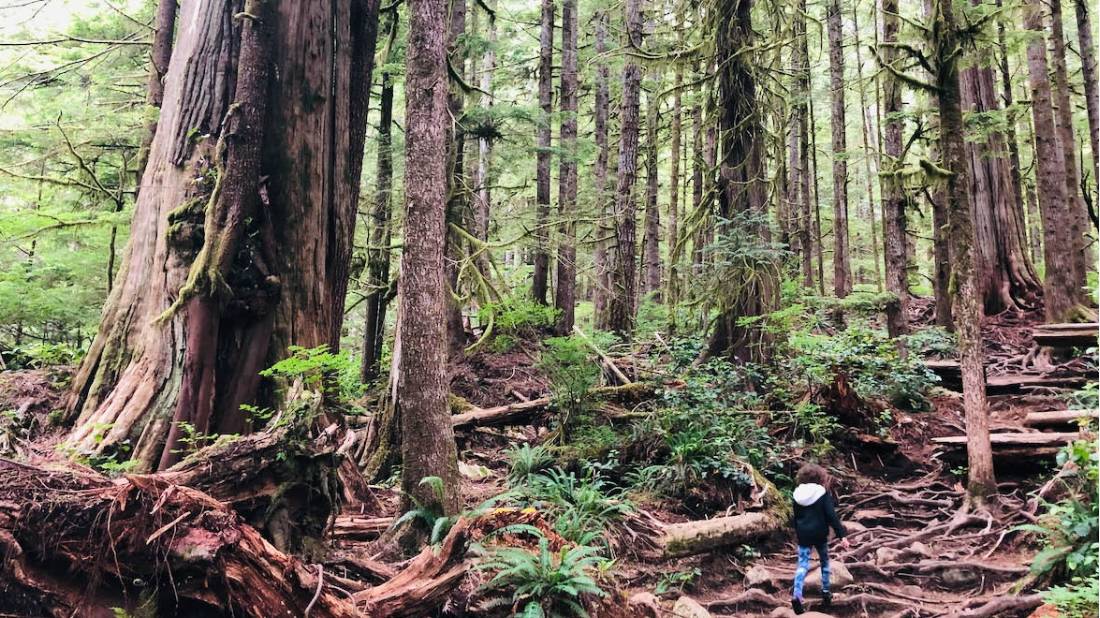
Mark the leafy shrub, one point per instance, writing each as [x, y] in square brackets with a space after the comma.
[525, 461]
[336, 375]
[1087, 398]
[572, 374]
[933, 341]
[517, 314]
[545, 583]
[1076, 599]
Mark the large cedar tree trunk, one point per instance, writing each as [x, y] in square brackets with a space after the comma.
[541, 275]
[265, 265]
[842, 270]
[621, 253]
[428, 446]
[566, 291]
[1088, 71]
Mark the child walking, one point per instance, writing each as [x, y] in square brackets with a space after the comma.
[814, 514]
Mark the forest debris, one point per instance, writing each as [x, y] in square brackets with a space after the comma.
[1015, 439]
[1058, 417]
[359, 528]
[523, 411]
[607, 362]
[1066, 335]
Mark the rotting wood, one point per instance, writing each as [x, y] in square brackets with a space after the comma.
[1058, 417]
[514, 413]
[1015, 439]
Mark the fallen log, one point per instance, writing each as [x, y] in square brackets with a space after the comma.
[696, 537]
[359, 528]
[950, 375]
[1015, 439]
[1058, 417]
[524, 411]
[1066, 335]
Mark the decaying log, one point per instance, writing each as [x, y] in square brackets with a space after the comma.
[1066, 335]
[524, 411]
[696, 537]
[359, 528]
[1015, 439]
[951, 378]
[1058, 418]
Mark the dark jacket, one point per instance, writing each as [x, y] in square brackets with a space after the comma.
[814, 514]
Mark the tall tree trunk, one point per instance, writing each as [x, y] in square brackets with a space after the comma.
[652, 242]
[249, 279]
[968, 306]
[1059, 297]
[458, 194]
[893, 196]
[819, 257]
[673, 236]
[1088, 72]
[868, 148]
[621, 254]
[802, 95]
[1007, 101]
[427, 441]
[697, 165]
[1006, 279]
[1064, 121]
[485, 148]
[381, 231]
[565, 292]
[540, 277]
[603, 230]
[160, 56]
[842, 269]
[741, 192]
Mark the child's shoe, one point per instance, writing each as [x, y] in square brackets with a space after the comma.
[797, 605]
[827, 599]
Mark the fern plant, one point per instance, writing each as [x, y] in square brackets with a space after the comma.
[545, 583]
[526, 460]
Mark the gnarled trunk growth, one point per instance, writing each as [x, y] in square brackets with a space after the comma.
[251, 267]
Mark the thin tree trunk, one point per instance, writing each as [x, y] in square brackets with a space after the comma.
[622, 253]
[803, 84]
[160, 57]
[842, 269]
[428, 446]
[1059, 296]
[652, 243]
[1007, 102]
[381, 231]
[294, 250]
[1088, 72]
[893, 196]
[868, 148]
[968, 306]
[565, 292]
[673, 237]
[603, 229]
[1063, 117]
[819, 257]
[540, 277]
[485, 147]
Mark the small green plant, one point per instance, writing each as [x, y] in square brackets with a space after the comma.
[933, 341]
[518, 314]
[545, 583]
[429, 515]
[567, 363]
[1076, 599]
[676, 581]
[525, 460]
[336, 375]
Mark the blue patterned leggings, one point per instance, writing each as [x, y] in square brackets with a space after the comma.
[804, 568]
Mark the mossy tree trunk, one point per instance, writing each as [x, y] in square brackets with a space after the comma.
[236, 251]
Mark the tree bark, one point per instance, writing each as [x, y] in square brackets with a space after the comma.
[621, 254]
[652, 243]
[842, 269]
[697, 164]
[160, 56]
[428, 447]
[968, 307]
[603, 230]
[868, 148]
[1063, 118]
[458, 193]
[247, 286]
[1059, 297]
[673, 236]
[483, 179]
[566, 290]
[819, 257]
[540, 277]
[893, 196]
[1089, 75]
[802, 94]
[381, 232]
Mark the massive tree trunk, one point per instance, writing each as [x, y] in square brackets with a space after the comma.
[566, 290]
[1006, 279]
[428, 447]
[541, 275]
[968, 306]
[1064, 121]
[603, 230]
[381, 232]
[160, 56]
[621, 253]
[1059, 297]
[652, 242]
[842, 270]
[265, 265]
[741, 191]
[1088, 71]
[893, 195]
